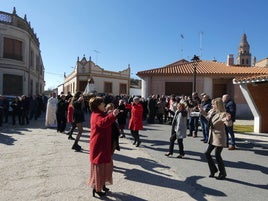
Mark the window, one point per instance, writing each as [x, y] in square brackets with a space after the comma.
[12, 84]
[37, 63]
[74, 86]
[36, 88]
[12, 49]
[41, 70]
[108, 87]
[122, 89]
[31, 58]
[31, 87]
[82, 85]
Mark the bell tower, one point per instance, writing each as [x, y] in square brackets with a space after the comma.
[244, 55]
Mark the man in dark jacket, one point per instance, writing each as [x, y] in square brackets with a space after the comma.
[193, 106]
[152, 109]
[230, 108]
[206, 106]
[61, 113]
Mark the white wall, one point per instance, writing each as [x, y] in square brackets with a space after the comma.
[135, 91]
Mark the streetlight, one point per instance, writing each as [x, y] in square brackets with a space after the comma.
[195, 59]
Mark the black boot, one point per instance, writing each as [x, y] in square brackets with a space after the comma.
[76, 147]
[134, 136]
[70, 137]
[138, 139]
[70, 132]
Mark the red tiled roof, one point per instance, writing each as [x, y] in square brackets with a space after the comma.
[251, 79]
[208, 68]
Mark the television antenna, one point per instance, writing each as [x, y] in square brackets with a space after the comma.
[97, 53]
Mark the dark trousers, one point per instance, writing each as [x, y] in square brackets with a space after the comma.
[151, 117]
[211, 164]
[33, 114]
[1, 116]
[24, 117]
[61, 123]
[160, 118]
[135, 135]
[14, 115]
[194, 125]
[172, 142]
[5, 117]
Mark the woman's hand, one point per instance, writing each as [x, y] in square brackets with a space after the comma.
[228, 116]
[116, 112]
[81, 98]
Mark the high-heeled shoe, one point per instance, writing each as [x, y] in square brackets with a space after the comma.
[221, 177]
[76, 147]
[138, 144]
[98, 193]
[71, 138]
[212, 174]
[168, 154]
[105, 189]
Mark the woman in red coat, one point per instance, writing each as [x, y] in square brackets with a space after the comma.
[135, 122]
[101, 146]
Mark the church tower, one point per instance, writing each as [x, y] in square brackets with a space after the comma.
[244, 55]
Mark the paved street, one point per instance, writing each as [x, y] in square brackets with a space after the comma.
[38, 164]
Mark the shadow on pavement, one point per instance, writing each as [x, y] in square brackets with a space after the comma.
[157, 178]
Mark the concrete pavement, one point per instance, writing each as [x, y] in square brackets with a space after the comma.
[38, 164]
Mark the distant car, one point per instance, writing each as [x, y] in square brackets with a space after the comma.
[10, 99]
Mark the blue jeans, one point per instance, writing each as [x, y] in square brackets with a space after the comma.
[194, 125]
[204, 125]
[230, 135]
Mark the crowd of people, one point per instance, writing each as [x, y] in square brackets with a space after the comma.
[22, 109]
[110, 114]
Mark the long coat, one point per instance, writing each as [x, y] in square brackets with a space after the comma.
[78, 113]
[217, 134]
[51, 119]
[101, 137]
[135, 122]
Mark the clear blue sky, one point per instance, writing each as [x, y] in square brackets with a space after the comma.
[143, 33]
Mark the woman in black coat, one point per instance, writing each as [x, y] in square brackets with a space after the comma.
[78, 117]
[122, 117]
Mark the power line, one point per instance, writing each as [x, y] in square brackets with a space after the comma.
[54, 73]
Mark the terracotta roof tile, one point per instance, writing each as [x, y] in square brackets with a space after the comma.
[208, 68]
[251, 79]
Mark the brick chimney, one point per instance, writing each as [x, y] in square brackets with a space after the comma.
[230, 60]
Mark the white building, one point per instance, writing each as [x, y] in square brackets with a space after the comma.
[21, 65]
[105, 82]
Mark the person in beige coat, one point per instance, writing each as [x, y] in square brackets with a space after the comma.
[217, 139]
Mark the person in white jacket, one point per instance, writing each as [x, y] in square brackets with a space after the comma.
[51, 119]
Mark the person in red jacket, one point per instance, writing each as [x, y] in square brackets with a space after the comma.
[135, 122]
[70, 119]
[101, 146]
